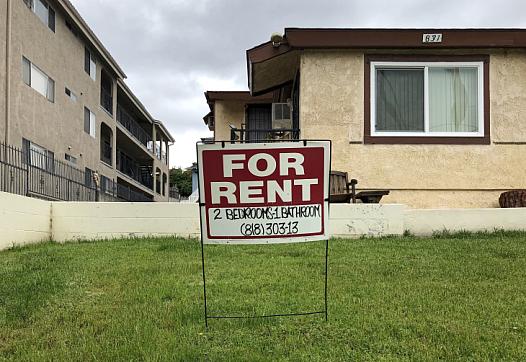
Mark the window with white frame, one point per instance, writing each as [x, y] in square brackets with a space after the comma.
[440, 99]
[38, 156]
[90, 66]
[44, 12]
[89, 122]
[38, 80]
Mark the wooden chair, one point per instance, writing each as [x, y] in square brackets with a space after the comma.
[343, 191]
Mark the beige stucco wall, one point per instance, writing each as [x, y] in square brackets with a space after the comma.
[227, 113]
[332, 104]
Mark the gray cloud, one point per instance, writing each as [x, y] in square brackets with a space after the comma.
[174, 50]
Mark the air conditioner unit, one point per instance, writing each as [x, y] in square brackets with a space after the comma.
[281, 116]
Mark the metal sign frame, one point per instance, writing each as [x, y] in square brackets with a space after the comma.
[201, 216]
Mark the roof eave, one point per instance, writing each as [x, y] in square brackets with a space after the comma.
[165, 130]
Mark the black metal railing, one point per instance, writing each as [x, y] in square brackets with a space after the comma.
[263, 135]
[127, 193]
[133, 127]
[33, 173]
[106, 152]
[106, 100]
[109, 189]
[139, 172]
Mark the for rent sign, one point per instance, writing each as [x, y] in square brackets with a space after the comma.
[264, 193]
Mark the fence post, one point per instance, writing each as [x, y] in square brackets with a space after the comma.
[27, 160]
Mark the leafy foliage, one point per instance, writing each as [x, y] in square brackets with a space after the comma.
[182, 179]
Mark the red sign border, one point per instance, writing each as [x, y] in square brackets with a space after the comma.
[203, 207]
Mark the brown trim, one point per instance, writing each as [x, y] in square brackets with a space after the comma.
[319, 38]
[265, 52]
[367, 38]
[273, 88]
[368, 139]
[404, 38]
[212, 96]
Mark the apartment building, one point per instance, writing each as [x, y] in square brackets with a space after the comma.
[62, 94]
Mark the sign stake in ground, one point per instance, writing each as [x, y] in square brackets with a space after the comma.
[264, 193]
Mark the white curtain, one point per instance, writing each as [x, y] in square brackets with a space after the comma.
[453, 104]
[39, 81]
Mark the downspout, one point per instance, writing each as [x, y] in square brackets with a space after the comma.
[8, 71]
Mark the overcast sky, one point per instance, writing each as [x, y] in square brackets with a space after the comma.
[174, 50]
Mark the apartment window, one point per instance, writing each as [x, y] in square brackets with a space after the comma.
[89, 122]
[70, 158]
[70, 94]
[89, 64]
[44, 12]
[38, 156]
[38, 80]
[427, 99]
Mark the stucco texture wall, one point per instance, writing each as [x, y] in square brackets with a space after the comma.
[227, 113]
[421, 176]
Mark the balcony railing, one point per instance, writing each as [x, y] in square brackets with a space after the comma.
[128, 194]
[263, 135]
[158, 151]
[106, 152]
[133, 127]
[106, 100]
[133, 169]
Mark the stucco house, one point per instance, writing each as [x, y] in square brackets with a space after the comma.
[436, 116]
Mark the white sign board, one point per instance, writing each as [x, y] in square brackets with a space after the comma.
[264, 192]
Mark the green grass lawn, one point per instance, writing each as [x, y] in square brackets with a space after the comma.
[449, 297]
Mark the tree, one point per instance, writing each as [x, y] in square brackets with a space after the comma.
[182, 179]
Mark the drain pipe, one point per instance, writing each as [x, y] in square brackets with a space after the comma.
[8, 71]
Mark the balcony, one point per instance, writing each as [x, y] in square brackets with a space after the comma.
[244, 135]
[140, 172]
[106, 100]
[106, 92]
[126, 120]
[127, 193]
[105, 154]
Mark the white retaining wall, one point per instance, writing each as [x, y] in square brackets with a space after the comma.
[348, 220]
[427, 221]
[101, 220]
[24, 220]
